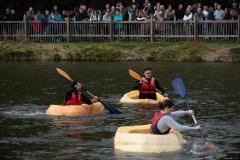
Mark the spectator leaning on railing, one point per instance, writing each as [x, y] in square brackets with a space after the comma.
[36, 24]
[45, 17]
[156, 5]
[227, 14]
[210, 15]
[236, 8]
[94, 16]
[170, 14]
[128, 14]
[81, 15]
[6, 15]
[157, 14]
[134, 12]
[219, 14]
[147, 5]
[136, 4]
[13, 16]
[118, 17]
[233, 14]
[107, 16]
[180, 12]
[39, 16]
[107, 8]
[141, 16]
[30, 14]
[58, 17]
[113, 11]
[215, 6]
[51, 17]
[199, 16]
[65, 14]
[205, 12]
[188, 15]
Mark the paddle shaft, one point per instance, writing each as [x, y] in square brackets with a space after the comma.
[179, 88]
[111, 110]
[88, 92]
[161, 93]
[157, 90]
[136, 76]
[194, 119]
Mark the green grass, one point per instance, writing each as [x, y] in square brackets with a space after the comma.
[116, 51]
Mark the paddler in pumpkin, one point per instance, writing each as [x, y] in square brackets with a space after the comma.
[163, 120]
[77, 95]
[147, 86]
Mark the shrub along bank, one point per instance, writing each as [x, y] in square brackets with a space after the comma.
[122, 51]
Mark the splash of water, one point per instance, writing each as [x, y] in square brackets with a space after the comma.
[197, 147]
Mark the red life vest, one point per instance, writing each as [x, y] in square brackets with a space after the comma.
[74, 100]
[146, 87]
[154, 130]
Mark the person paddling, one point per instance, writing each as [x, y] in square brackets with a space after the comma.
[147, 86]
[163, 120]
[77, 95]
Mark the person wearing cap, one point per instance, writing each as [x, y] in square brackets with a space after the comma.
[77, 95]
[147, 86]
[163, 120]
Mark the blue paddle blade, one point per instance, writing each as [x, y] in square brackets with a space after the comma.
[110, 109]
[178, 86]
[113, 110]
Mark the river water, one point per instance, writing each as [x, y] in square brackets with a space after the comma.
[28, 88]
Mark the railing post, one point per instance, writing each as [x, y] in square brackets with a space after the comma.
[238, 26]
[25, 28]
[68, 29]
[195, 29]
[151, 28]
[110, 30]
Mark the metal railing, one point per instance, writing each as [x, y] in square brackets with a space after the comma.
[153, 31]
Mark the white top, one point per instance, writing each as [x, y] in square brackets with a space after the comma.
[188, 17]
[168, 121]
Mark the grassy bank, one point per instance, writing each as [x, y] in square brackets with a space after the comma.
[122, 51]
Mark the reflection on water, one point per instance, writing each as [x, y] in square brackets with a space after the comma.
[27, 89]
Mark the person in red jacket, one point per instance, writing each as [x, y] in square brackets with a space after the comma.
[147, 86]
[77, 95]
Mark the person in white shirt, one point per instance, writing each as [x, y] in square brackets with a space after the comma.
[188, 15]
[219, 13]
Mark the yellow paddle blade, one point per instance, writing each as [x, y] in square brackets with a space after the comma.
[134, 74]
[64, 74]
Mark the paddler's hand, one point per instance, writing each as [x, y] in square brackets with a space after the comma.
[190, 112]
[197, 127]
[94, 99]
[165, 94]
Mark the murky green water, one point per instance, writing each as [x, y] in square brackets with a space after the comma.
[28, 88]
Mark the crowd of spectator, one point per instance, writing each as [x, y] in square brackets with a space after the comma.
[133, 12]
